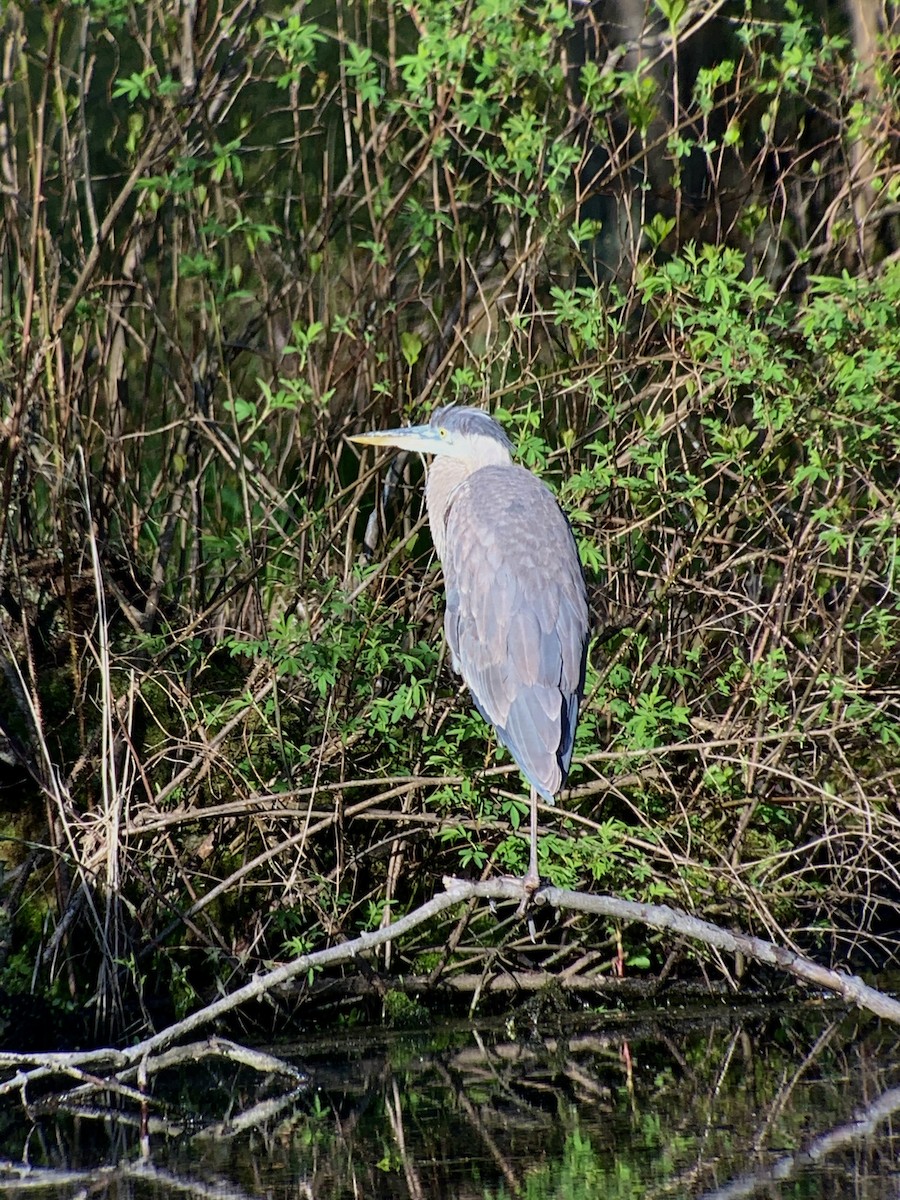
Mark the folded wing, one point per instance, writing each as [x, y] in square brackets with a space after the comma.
[517, 616]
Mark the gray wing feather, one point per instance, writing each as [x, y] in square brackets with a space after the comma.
[517, 617]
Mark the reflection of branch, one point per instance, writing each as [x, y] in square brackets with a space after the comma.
[15, 1176]
[167, 1182]
[863, 1125]
[78, 1099]
[183, 1127]
[251, 1118]
[121, 1063]
[217, 1047]
[93, 1084]
[410, 1170]
[475, 1120]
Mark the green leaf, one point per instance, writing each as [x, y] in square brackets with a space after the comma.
[410, 347]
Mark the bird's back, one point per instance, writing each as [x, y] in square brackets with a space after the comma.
[517, 615]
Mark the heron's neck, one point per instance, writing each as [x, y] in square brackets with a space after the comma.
[444, 475]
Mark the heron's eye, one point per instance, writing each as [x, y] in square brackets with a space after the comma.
[443, 432]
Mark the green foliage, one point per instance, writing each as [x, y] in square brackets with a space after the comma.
[402, 1011]
[294, 42]
[580, 1173]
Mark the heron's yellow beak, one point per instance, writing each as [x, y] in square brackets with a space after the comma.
[420, 439]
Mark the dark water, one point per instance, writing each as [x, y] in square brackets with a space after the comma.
[787, 1103]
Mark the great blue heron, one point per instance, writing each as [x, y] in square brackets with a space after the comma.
[517, 615]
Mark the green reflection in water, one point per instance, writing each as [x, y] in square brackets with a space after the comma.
[691, 1104]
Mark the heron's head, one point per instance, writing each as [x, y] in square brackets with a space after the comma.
[467, 434]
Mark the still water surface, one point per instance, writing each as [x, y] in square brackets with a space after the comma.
[791, 1102]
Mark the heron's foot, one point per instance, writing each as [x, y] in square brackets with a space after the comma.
[530, 884]
[531, 881]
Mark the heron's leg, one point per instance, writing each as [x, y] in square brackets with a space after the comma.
[532, 880]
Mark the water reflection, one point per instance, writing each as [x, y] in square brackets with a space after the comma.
[765, 1103]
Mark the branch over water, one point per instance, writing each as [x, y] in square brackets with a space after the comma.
[138, 1060]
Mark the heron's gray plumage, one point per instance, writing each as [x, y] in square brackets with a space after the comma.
[516, 618]
[517, 613]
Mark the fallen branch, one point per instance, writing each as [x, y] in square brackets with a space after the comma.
[659, 916]
[507, 979]
[18, 1176]
[121, 1064]
[864, 1123]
